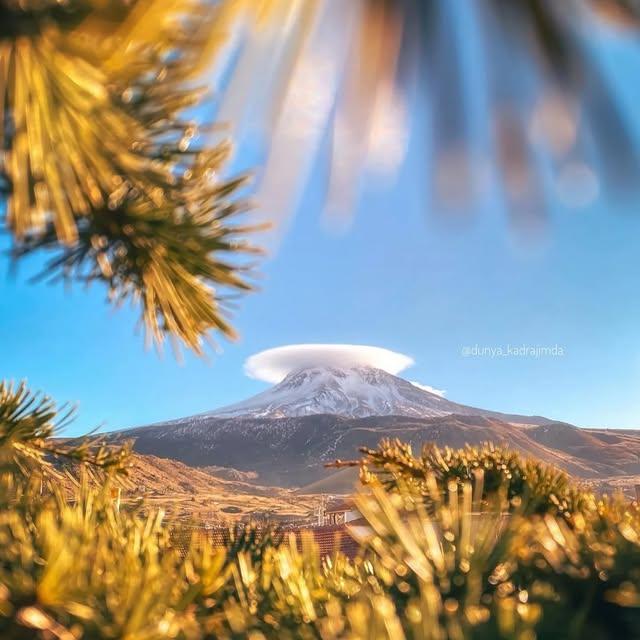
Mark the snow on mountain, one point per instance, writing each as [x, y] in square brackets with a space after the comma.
[318, 414]
[354, 392]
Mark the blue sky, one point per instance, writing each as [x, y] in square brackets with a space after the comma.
[401, 278]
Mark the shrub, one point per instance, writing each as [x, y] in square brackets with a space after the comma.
[473, 544]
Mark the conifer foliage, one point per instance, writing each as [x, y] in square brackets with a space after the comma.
[102, 165]
[444, 555]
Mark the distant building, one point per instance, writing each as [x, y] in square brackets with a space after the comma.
[329, 538]
[340, 511]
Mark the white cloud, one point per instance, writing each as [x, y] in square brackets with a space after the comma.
[273, 365]
[426, 387]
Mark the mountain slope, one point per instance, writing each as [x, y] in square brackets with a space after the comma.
[188, 493]
[288, 433]
[354, 392]
[292, 452]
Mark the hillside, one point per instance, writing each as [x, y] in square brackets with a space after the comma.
[292, 452]
[286, 435]
[187, 492]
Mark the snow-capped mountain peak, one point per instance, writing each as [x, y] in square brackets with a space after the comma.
[355, 391]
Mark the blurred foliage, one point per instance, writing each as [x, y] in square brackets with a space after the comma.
[27, 423]
[513, 95]
[101, 160]
[527, 485]
[101, 163]
[454, 545]
[514, 542]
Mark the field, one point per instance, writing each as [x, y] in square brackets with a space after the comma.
[187, 493]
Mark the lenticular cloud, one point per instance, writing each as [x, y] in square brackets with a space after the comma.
[273, 365]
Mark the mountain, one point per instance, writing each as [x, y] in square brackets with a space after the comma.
[286, 435]
[293, 452]
[353, 392]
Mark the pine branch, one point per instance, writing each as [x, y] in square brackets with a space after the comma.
[28, 422]
[104, 167]
[527, 484]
